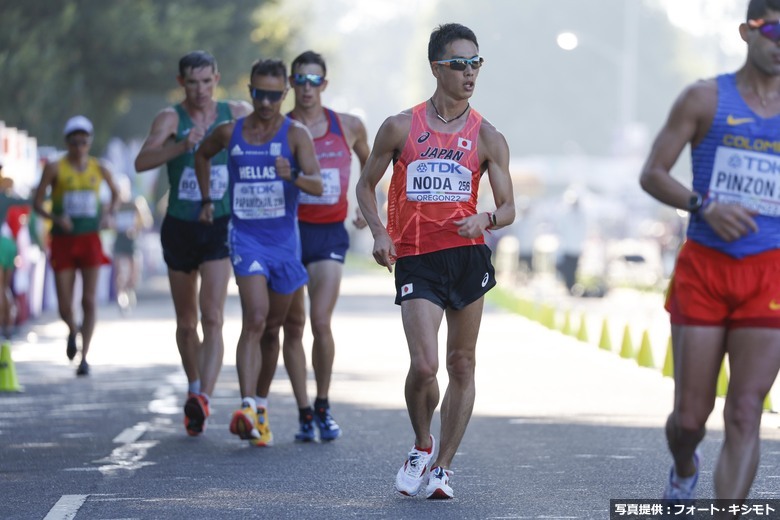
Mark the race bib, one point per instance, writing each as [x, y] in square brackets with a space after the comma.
[750, 179]
[438, 181]
[190, 190]
[255, 200]
[81, 203]
[331, 189]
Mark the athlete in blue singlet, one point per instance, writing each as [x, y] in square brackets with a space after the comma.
[271, 159]
[725, 293]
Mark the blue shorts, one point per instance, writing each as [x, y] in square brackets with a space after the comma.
[323, 242]
[283, 271]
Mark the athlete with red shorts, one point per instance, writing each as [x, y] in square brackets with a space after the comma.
[76, 217]
[440, 149]
[724, 296]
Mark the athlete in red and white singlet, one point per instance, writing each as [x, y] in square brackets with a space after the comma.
[435, 183]
[324, 245]
[335, 157]
[434, 238]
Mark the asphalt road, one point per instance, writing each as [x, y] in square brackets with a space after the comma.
[559, 427]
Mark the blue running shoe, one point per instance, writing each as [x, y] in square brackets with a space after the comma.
[306, 431]
[682, 491]
[329, 430]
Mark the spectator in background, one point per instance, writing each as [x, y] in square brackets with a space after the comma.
[132, 218]
[13, 214]
[76, 217]
[572, 231]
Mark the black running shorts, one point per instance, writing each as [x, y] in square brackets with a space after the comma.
[450, 278]
[187, 244]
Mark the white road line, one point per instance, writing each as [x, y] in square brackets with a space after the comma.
[66, 507]
[131, 434]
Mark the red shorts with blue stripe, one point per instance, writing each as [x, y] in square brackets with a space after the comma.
[710, 288]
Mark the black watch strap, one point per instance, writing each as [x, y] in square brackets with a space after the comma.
[695, 202]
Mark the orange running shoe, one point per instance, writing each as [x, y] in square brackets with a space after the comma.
[196, 411]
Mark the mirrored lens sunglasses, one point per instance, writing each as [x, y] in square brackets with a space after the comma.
[315, 80]
[768, 29]
[461, 63]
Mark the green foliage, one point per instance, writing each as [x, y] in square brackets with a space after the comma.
[96, 57]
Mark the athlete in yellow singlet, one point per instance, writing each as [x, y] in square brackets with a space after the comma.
[76, 217]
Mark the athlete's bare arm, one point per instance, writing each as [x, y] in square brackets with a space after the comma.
[689, 120]
[687, 123]
[216, 141]
[388, 144]
[160, 146]
[302, 147]
[494, 158]
[49, 178]
[357, 138]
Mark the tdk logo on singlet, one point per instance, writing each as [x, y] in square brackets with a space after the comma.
[440, 167]
[257, 172]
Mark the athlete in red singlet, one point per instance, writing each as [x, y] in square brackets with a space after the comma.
[435, 183]
[440, 149]
[324, 244]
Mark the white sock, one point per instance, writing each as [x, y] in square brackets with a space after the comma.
[194, 387]
[262, 402]
[250, 402]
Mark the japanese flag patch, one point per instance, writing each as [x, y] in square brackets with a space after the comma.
[464, 143]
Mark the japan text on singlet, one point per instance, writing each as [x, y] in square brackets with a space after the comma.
[184, 199]
[434, 184]
[76, 194]
[738, 161]
[263, 205]
[335, 159]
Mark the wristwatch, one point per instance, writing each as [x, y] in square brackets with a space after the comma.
[694, 203]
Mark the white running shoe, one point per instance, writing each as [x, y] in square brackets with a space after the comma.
[411, 476]
[678, 492]
[439, 484]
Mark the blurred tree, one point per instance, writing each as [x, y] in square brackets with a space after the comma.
[110, 59]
